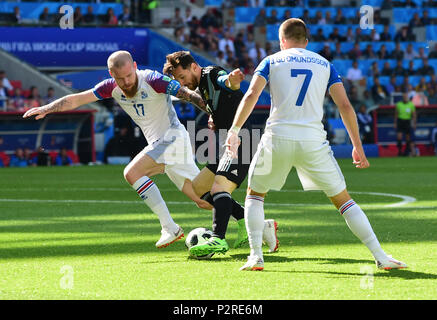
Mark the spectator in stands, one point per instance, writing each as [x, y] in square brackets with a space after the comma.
[77, 16]
[365, 124]
[319, 36]
[411, 70]
[257, 54]
[426, 21]
[177, 20]
[45, 16]
[405, 86]
[386, 70]
[256, 3]
[383, 53]
[273, 19]
[368, 52]
[5, 81]
[125, 17]
[89, 17]
[306, 16]
[338, 53]
[209, 19]
[17, 102]
[385, 35]
[379, 92]
[339, 18]
[221, 60]
[433, 81]
[353, 96]
[409, 4]
[188, 16]
[360, 36]
[391, 86]
[229, 27]
[397, 53]
[374, 70]
[415, 22]
[354, 73]
[3, 97]
[431, 93]
[326, 52]
[335, 36]
[374, 36]
[399, 69]
[18, 159]
[355, 53]
[63, 159]
[410, 53]
[387, 5]
[422, 54]
[287, 15]
[34, 99]
[50, 97]
[42, 158]
[250, 42]
[260, 19]
[328, 18]
[111, 18]
[426, 69]
[16, 18]
[402, 35]
[226, 41]
[350, 36]
[319, 19]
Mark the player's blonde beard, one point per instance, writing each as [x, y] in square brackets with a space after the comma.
[132, 92]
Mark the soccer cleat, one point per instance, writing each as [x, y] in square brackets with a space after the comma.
[242, 238]
[213, 245]
[390, 263]
[168, 237]
[270, 235]
[254, 263]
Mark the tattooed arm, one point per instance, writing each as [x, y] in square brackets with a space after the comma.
[69, 102]
[193, 97]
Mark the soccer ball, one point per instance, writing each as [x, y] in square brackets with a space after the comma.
[198, 236]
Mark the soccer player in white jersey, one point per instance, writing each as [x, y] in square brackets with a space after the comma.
[294, 136]
[145, 96]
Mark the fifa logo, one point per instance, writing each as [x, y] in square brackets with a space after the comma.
[66, 21]
[366, 21]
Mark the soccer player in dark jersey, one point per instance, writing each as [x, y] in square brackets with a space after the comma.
[216, 182]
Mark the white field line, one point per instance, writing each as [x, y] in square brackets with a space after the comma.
[405, 200]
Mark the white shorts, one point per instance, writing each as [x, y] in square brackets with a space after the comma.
[175, 151]
[314, 161]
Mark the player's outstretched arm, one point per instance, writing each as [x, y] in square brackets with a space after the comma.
[66, 103]
[244, 110]
[193, 97]
[349, 117]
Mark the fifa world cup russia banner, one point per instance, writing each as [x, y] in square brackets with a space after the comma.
[53, 47]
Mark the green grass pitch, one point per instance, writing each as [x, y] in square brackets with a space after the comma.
[83, 233]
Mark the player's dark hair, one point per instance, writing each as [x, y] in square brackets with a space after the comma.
[176, 59]
[294, 29]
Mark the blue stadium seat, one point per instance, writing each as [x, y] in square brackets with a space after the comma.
[431, 32]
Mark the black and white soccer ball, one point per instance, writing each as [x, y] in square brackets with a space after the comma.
[198, 236]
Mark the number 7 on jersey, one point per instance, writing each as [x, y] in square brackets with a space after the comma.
[308, 74]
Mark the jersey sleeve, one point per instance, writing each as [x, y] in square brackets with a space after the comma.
[162, 83]
[334, 76]
[103, 90]
[263, 69]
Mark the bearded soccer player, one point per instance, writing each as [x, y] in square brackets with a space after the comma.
[294, 136]
[145, 96]
[216, 182]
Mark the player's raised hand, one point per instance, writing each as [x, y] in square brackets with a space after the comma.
[232, 143]
[39, 112]
[235, 78]
[360, 160]
[211, 124]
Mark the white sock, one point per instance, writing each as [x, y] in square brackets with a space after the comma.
[360, 226]
[254, 217]
[149, 192]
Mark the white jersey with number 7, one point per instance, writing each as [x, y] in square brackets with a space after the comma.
[298, 81]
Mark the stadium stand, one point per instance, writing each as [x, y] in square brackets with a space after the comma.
[398, 54]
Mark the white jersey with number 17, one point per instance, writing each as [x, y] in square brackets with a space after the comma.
[298, 81]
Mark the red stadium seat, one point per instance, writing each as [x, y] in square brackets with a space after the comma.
[73, 156]
[16, 83]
